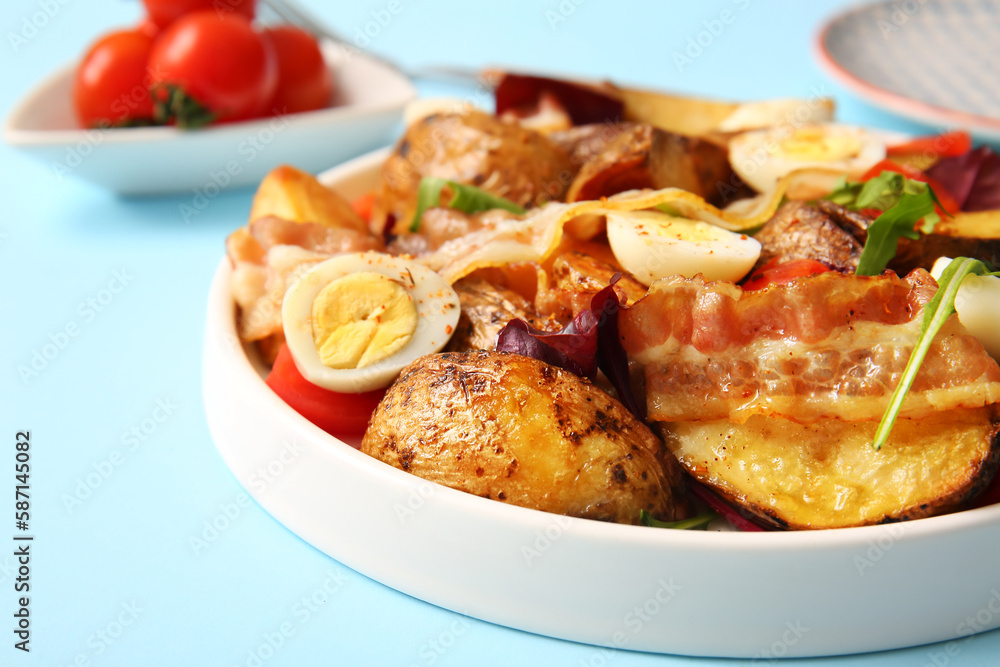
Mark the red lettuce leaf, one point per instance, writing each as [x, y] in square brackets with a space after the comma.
[973, 179]
[574, 348]
[611, 356]
[724, 509]
[585, 103]
[588, 343]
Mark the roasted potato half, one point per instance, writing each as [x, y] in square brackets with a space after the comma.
[292, 194]
[474, 148]
[520, 431]
[827, 475]
[486, 309]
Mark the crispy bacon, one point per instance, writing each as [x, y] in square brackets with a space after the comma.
[826, 346]
[252, 242]
[573, 281]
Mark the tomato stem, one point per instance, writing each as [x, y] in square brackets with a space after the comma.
[171, 102]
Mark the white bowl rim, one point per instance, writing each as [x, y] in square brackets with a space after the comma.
[928, 527]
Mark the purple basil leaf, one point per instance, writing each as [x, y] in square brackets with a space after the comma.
[985, 195]
[957, 174]
[590, 341]
[574, 348]
[611, 357]
[973, 179]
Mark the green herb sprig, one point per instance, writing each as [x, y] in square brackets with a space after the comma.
[903, 201]
[699, 522]
[936, 313]
[466, 198]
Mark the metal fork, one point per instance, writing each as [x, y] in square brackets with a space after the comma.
[290, 11]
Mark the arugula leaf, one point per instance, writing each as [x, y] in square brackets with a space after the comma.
[936, 313]
[903, 201]
[699, 522]
[466, 198]
[886, 230]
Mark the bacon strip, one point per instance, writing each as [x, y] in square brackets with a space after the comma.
[826, 346]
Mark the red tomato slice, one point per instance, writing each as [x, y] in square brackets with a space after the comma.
[219, 62]
[776, 272]
[947, 200]
[304, 82]
[949, 144]
[340, 415]
[165, 12]
[363, 206]
[111, 85]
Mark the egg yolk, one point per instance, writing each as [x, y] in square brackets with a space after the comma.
[817, 145]
[683, 229]
[360, 319]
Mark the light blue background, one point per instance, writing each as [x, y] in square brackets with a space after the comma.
[129, 542]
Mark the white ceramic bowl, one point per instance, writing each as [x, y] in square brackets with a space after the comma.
[370, 98]
[750, 595]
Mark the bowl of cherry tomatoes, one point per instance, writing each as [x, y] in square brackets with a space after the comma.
[199, 98]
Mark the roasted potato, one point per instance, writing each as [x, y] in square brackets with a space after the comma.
[486, 309]
[698, 116]
[584, 142]
[800, 231]
[292, 194]
[827, 475]
[622, 165]
[520, 431]
[696, 164]
[473, 148]
[641, 156]
[831, 234]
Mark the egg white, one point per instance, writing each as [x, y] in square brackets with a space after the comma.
[436, 303]
[652, 245]
[976, 303]
[767, 113]
[758, 157]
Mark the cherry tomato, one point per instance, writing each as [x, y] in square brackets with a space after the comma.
[218, 64]
[111, 83]
[949, 144]
[947, 200]
[304, 82]
[165, 12]
[777, 272]
[363, 206]
[148, 27]
[341, 415]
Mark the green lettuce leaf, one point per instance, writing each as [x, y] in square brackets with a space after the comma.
[465, 198]
[699, 522]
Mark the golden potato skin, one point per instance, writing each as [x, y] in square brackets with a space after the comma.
[486, 310]
[472, 148]
[518, 430]
[827, 475]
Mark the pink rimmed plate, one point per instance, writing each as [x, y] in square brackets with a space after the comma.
[932, 61]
